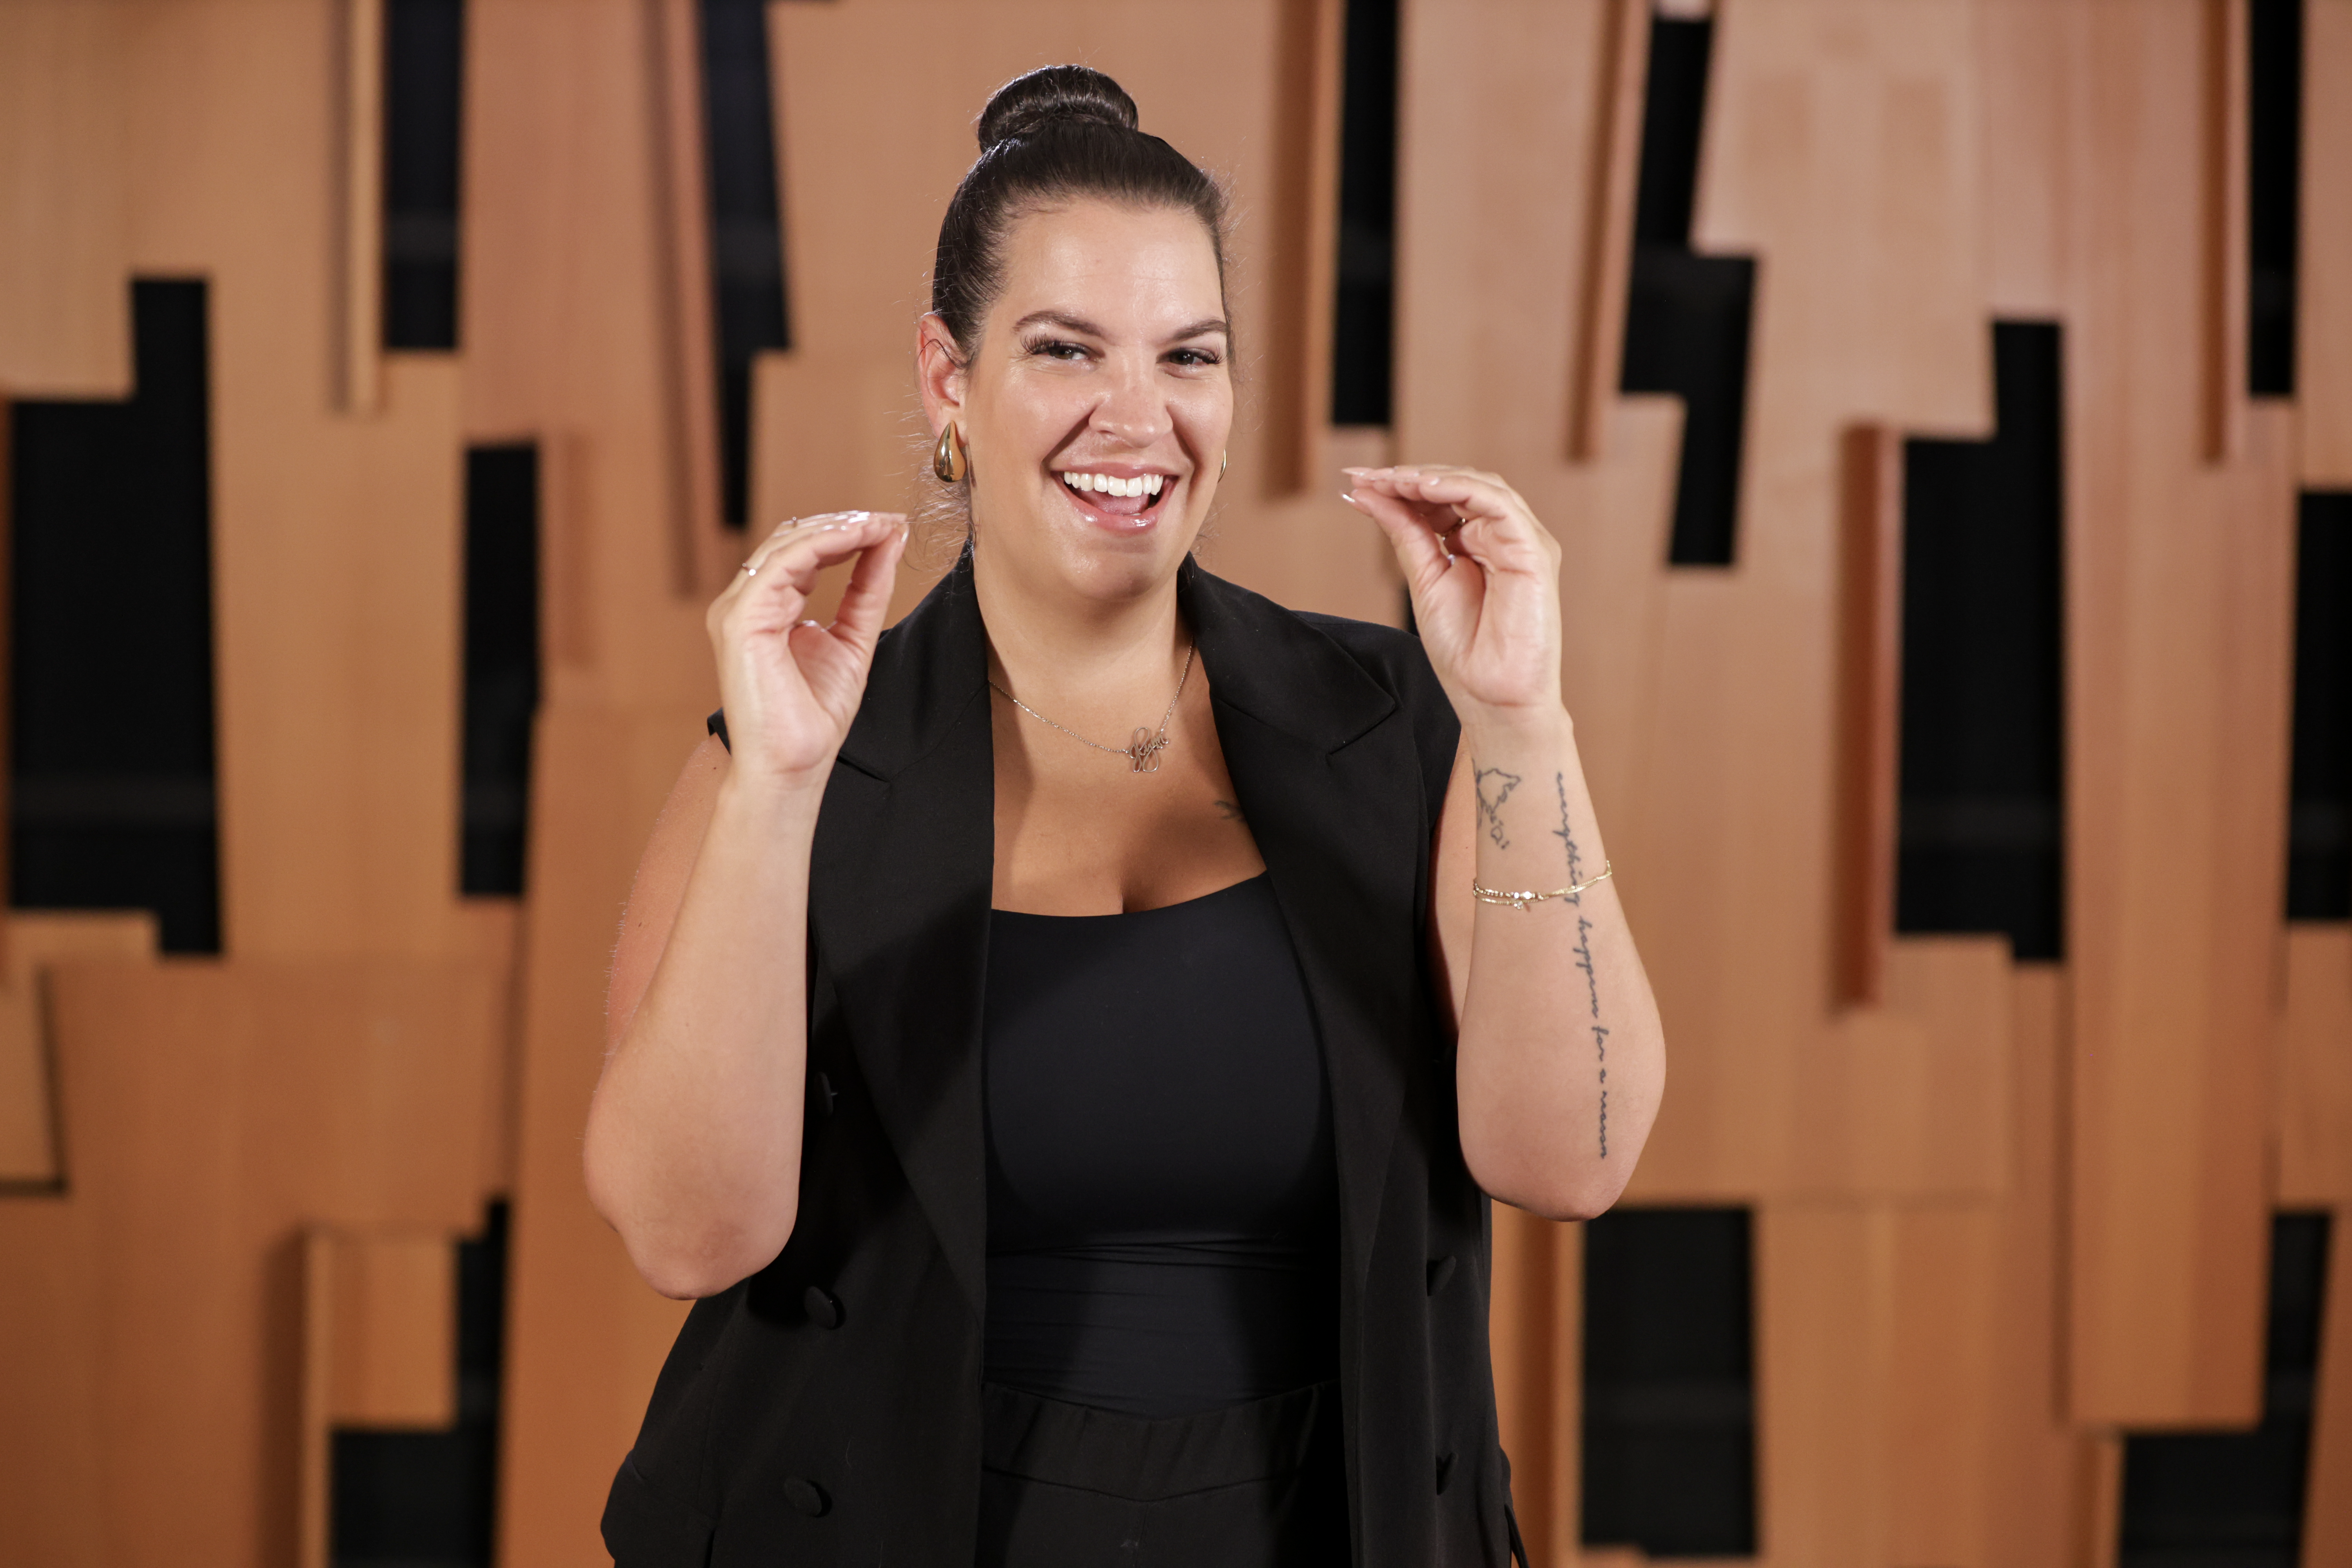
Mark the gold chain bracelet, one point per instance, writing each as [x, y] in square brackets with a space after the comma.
[1521, 901]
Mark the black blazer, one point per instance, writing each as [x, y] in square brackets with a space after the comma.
[827, 1409]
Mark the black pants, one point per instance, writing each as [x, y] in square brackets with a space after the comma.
[1251, 1486]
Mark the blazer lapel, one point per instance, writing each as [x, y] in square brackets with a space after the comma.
[1317, 773]
[900, 882]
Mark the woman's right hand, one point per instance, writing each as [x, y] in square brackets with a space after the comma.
[789, 686]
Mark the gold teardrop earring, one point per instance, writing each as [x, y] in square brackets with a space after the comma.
[1224, 461]
[947, 457]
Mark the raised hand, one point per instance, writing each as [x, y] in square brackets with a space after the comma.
[791, 685]
[1483, 576]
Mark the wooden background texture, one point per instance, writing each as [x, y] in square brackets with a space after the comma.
[2005, 1211]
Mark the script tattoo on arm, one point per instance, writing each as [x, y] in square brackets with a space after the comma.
[1494, 786]
[1583, 951]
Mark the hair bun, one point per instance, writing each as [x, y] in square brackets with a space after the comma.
[1052, 95]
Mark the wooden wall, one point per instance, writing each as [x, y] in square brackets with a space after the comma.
[2005, 1211]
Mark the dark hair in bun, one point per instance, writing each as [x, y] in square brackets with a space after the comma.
[1059, 132]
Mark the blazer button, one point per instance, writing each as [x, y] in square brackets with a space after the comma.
[1444, 1470]
[1441, 1269]
[822, 1306]
[806, 1497]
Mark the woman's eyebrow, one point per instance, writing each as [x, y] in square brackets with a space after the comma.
[1207, 324]
[1061, 319]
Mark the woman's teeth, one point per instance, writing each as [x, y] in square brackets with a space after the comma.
[1112, 484]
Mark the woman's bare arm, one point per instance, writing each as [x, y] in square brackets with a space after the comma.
[693, 1144]
[1560, 1060]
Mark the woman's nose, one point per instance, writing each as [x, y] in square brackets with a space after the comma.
[1133, 411]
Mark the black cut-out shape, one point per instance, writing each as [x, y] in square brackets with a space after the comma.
[113, 800]
[1669, 1440]
[2319, 798]
[1687, 316]
[2274, 191]
[1364, 300]
[747, 237]
[1981, 819]
[424, 103]
[501, 666]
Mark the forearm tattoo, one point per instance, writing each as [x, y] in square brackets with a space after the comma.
[1567, 836]
[1495, 787]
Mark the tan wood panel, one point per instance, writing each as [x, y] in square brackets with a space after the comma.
[569, 316]
[2328, 1505]
[2323, 283]
[212, 1112]
[2101, 161]
[2312, 1111]
[1826, 1342]
[65, 324]
[2031, 1455]
[585, 1334]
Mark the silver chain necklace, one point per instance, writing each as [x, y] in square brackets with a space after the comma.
[1142, 753]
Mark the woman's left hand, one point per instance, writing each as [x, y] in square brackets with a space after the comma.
[1483, 576]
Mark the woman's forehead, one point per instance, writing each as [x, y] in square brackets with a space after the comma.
[1125, 269]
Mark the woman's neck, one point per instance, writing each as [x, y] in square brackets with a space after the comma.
[1098, 661]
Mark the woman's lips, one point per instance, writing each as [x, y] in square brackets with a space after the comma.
[1125, 512]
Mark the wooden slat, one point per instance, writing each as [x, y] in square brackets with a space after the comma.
[359, 113]
[2031, 1456]
[2323, 320]
[564, 312]
[1303, 263]
[2176, 609]
[2226, 260]
[1609, 228]
[65, 186]
[1536, 1334]
[2312, 1112]
[687, 309]
[1870, 723]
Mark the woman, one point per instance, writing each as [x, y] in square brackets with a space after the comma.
[1062, 1045]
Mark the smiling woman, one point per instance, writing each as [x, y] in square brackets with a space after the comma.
[1081, 1148]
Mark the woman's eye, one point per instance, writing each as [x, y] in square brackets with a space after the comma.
[1194, 357]
[1053, 348]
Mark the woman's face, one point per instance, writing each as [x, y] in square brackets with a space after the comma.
[1102, 368]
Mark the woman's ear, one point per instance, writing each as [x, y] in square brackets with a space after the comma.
[939, 372]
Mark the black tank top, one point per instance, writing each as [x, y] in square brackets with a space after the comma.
[1163, 1196]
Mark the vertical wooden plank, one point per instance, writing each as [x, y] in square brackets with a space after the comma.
[1305, 256]
[2227, 41]
[1871, 722]
[2323, 331]
[2031, 1455]
[359, 127]
[1522, 1331]
[687, 309]
[1625, 57]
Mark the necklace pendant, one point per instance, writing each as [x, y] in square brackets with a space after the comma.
[1143, 751]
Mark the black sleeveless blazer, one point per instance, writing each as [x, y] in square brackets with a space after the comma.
[827, 1409]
